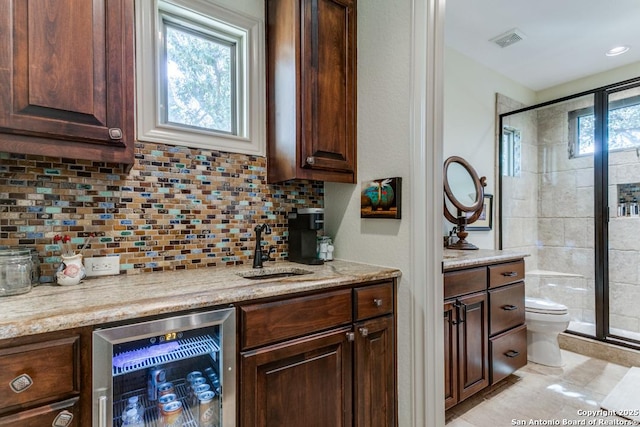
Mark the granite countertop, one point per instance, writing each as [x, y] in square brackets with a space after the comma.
[116, 298]
[455, 259]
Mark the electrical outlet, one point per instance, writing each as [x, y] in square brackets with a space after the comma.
[102, 266]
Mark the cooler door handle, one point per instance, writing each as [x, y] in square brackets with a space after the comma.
[102, 411]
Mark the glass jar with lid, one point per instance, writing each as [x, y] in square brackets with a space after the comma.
[15, 271]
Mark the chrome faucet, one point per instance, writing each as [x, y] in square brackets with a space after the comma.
[258, 255]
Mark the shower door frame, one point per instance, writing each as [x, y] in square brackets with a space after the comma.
[601, 203]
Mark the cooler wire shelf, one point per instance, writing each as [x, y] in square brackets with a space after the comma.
[147, 357]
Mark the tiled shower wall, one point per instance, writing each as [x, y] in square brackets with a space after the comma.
[177, 208]
[562, 238]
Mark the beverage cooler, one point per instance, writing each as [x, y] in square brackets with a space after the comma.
[171, 372]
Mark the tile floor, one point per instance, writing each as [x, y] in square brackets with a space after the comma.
[555, 396]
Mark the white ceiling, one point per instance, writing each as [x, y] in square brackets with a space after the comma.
[564, 39]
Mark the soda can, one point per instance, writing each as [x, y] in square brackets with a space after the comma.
[156, 376]
[171, 414]
[163, 400]
[192, 375]
[165, 388]
[207, 409]
[195, 382]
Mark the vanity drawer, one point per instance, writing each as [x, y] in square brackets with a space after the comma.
[269, 322]
[506, 307]
[503, 274]
[374, 300]
[508, 353]
[464, 282]
[40, 372]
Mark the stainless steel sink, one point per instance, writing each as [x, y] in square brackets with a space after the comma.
[272, 273]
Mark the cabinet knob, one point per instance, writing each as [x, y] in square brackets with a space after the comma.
[21, 383]
[311, 160]
[351, 336]
[364, 332]
[115, 133]
[377, 302]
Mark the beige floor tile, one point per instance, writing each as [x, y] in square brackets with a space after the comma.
[538, 392]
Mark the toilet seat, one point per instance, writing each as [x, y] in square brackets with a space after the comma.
[542, 306]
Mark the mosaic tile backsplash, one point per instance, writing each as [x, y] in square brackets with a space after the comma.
[177, 208]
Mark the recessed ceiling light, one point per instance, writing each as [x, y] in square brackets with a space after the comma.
[618, 50]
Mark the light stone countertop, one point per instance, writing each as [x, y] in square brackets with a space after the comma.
[116, 298]
[455, 259]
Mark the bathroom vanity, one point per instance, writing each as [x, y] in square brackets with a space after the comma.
[484, 320]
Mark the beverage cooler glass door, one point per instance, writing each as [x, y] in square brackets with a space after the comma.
[177, 371]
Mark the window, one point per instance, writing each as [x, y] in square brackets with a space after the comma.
[623, 132]
[511, 151]
[200, 79]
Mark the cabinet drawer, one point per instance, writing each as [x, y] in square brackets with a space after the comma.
[506, 308]
[508, 353]
[59, 414]
[39, 372]
[464, 282]
[503, 274]
[269, 322]
[375, 300]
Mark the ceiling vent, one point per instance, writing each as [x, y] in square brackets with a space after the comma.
[508, 38]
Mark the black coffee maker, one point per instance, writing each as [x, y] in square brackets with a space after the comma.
[303, 231]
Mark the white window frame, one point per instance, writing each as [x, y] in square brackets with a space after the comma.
[251, 132]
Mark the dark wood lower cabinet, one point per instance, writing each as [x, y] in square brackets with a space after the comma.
[45, 379]
[484, 331]
[340, 375]
[375, 387]
[304, 382]
[466, 347]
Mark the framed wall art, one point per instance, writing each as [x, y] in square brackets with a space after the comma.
[484, 221]
[381, 198]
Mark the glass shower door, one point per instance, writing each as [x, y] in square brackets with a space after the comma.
[622, 290]
[547, 203]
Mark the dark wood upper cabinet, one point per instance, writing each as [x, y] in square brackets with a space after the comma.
[311, 90]
[67, 76]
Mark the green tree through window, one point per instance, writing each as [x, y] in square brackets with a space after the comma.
[200, 80]
[624, 126]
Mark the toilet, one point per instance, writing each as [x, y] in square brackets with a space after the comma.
[545, 320]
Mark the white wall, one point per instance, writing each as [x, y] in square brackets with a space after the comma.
[470, 121]
[592, 82]
[384, 100]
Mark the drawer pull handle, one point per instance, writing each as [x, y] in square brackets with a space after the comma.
[510, 274]
[364, 332]
[63, 419]
[351, 336]
[512, 353]
[510, 307]
[21, 383]
[377, 302]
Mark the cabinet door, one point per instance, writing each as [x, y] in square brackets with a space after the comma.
[304, 382]
[473, 344]
[375, 373]
[66, 69]
[328, 77]
[450, 354]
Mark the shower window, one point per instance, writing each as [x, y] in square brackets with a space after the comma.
[623, 131]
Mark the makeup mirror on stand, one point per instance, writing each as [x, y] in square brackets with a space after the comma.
[464, 198]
